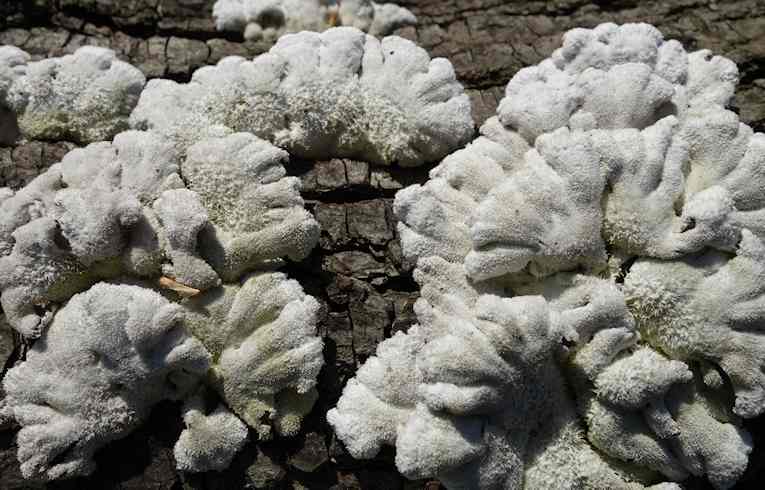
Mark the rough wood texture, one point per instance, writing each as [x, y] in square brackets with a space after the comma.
[357, 270]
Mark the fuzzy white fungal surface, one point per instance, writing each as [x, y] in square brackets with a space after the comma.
[82, 97]
[266, 355]
[340, 93]
[121, 211]
[13, 65]
[269, 19]
[109, 355]
[210, 440]
[206, 219]
[194, 202]
[592, 271]
[255, 210]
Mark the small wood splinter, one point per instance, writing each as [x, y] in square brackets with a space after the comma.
[181, 289]
[333, 18]
[334, 15]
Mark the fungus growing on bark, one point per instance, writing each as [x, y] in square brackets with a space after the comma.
[192, 212]
[110, 354]
[591, 271]
[341, 93]
[82, 97]
[122, 212]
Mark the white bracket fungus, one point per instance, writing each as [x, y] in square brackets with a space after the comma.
[126, 211]
[210, 220]
[109, 355]
[608, 228]
[266, 357]
[340, 93]
[82, 97]
[210, 440]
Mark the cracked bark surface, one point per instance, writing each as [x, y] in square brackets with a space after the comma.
[357, 270]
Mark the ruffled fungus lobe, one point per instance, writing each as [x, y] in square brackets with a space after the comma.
[269, 19]
[266, 357]
[210, 440]
[340, 93]
[256, 211]
[82, 97]
[608, 231]
[13, 65]
[109, 355]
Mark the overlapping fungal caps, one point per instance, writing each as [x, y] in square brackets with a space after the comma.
[476, 395]
[608, 227]
[269, 19]
[195, 202]
[82, 97]
[110, 354]
[211, 222]
[341, 93]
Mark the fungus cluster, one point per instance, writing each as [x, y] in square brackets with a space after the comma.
[145, 264]
[592, 266]
[592, 283]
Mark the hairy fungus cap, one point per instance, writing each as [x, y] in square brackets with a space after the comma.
[266, 356]
[122, 211]
[109, 355]
[82, 97]
[210, 440]
[13, 65]
[341, 94]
